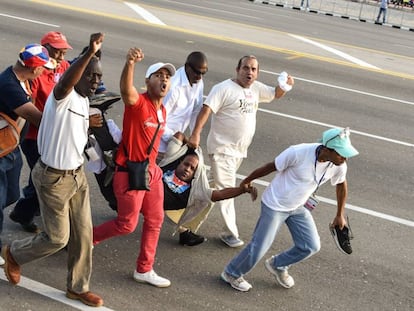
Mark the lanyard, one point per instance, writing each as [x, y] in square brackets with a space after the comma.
[317, 151]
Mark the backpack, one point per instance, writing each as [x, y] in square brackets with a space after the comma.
[9, 133]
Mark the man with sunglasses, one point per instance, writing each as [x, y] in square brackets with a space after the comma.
[301, 169]
[234, 103]
[185, 98]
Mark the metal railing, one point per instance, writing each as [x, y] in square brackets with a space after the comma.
[365, 10]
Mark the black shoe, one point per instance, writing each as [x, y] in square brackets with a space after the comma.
[342, 238]
[27, 226]
[190, 239]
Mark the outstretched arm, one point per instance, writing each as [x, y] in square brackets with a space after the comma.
[259, 172]
[129, 93]
[74, 73]
[194, 139]
[228, 193]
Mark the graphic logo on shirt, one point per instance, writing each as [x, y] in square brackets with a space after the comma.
[174, 183]
[149, 122]
[246, 106]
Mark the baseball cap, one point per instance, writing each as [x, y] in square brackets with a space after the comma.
[338, 140]
[157, 66]
[36, 55]
[56, 40]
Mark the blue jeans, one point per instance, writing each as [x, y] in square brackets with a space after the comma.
[10, 168]
[382, 11]
[28, 206]
[304, 234]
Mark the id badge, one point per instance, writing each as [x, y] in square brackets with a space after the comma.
[90, 149]
[311, 203]
[92, 154]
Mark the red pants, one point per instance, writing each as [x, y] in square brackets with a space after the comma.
[130, 204]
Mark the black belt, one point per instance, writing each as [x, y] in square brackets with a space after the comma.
[121, 168]
[62, 172]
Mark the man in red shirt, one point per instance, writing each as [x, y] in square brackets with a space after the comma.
[28, 206]
[144, 114]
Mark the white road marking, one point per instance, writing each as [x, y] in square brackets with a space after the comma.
[352, 207]
[59, 295]
[355, 208]
[345, 89]
[29, 20]
[52, 293]
[398, 142]
[145, 14]
[229, 12]
[335, 51]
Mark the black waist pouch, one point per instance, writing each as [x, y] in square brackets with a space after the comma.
[138, 175]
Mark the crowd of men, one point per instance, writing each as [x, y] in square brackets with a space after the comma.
[53, 96]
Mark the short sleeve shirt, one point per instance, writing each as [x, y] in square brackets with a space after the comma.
[12, 94]
[298, 176]
[63, 131]
[233, 122]
[139, 126]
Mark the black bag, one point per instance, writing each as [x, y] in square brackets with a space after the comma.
[138, 175]
[138, 172]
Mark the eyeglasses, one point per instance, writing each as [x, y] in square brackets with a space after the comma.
[196, 71]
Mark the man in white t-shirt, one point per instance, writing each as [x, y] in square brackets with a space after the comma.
[60, 180]
[301, 169]
[234, 103]
[184, 100]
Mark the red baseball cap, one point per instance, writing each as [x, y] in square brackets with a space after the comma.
[56, 40]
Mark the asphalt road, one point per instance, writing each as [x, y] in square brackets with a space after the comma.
[347, 74]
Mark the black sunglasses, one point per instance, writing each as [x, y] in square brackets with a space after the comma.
[196, 71]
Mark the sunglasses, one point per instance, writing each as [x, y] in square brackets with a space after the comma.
[196, 71]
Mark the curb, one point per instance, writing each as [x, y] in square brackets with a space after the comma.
[332, 14]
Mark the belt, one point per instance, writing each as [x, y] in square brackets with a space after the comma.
[120, 168]
[56, 171]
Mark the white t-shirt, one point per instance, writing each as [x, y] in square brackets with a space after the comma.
[63, 131]
[182, 103]
[233, 122]
[297, 177]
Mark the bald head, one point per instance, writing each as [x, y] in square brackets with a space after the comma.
[196, 66]
[196, 58]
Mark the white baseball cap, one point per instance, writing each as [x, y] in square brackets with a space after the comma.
[157, 66]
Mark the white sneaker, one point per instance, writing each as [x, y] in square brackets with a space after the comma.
[282, 276]
[240, 283]
[231, 240]
[2, 262]
[152, 278]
